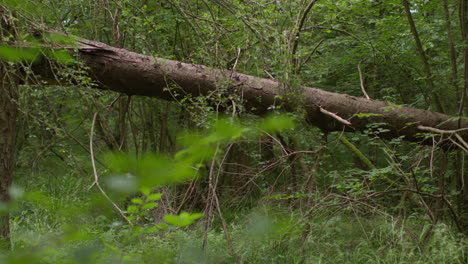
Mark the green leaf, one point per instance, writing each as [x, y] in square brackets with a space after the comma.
[62, 56]
[154, 170]
[162, 226]
[182, 220]
[119, 162]
[277, 123]
[149, 171]
[145, 190]
[151, 229]
[58, 38]
[19, 54]
[149, 206]
[137, 201]
[154, 197]
[132, 209]
[227, 129]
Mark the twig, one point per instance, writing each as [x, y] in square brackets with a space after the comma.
[214, 198]
[310, 55]
[440, 131]
[114, 101]
[277, 141]
[209, 202]
[223, 223]
[269, 75]
[361, 81]
[462, 141]
[96, 177]
[235, 63]
[189, 191]
[298, 27]
[335, 116]
[453, 132]
[458, 145]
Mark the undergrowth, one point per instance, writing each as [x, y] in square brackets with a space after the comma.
[264, 235]
[61, 217]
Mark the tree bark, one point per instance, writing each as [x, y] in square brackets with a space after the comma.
[8, 112]
[131, 73]
[422, 54]
[464, 32]
[452, 52]
[462, 180]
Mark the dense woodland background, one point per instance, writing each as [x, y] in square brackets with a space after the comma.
[102, 177]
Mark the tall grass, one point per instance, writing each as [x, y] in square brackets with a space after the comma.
[261, 236]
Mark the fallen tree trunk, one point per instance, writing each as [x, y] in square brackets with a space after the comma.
[131, 73]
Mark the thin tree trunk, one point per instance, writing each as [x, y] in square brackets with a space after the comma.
[463, 111]
[453, 55]
[461, 178]
[422, 54]
[8, 113]
[464, 32]
[441, 183]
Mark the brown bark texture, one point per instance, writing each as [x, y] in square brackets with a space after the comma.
[464, 33]
[8, 112]
[463, 177]
[131, 73]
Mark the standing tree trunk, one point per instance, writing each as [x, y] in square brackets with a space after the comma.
[452, 52]
[8, 112]
[464, 32]
[425, 63]
[463, 110]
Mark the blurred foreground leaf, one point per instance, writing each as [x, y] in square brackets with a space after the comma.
[182, 220]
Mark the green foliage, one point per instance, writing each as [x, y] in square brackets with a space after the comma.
[288, 193]
[181, 220]
[149, 171]
[277, 123]
[365, 115]
[13, 54]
